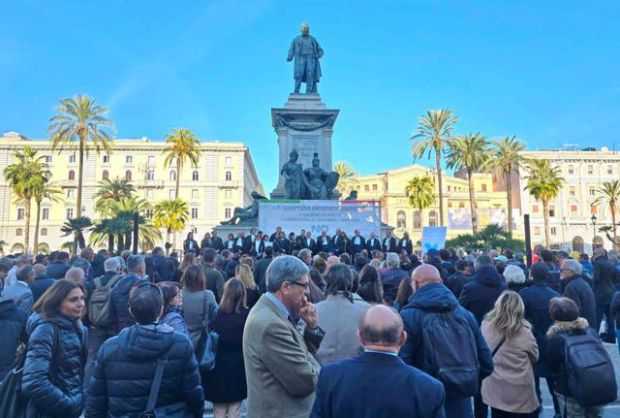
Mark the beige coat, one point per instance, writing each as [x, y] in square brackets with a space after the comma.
[511, 386]
[280, 370]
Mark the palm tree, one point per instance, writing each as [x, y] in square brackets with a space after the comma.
[344, 170]
[111, 192]
[421, 193]
[25, 176]
[45, 190]
[77, 226]
[80, 119]
[505, 159]
[434, 131]
[544, 184]
[183, 145]
[469, 152]
[171, 214]
[609, 191]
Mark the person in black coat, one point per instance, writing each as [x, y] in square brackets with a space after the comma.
[120, 316]
[216, 241]
[13, 326]
[404, 244]
[41, 283]
[459, 279]
[605, 277]
[341, 242]
[56, 355]
[324, 243]
[225, 385]
[373, 243]
[389, 243]
[123, 373]
[57, 268]
[391, 278]
[377, 383]
[577, 288]
[190, 244]
[479, 295]
[308, 242]
[206, 242]
[536, 299]
[358, 242]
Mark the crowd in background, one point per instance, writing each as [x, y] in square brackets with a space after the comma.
[322, 326]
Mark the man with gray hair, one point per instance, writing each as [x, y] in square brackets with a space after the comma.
[577, 288]
[20, 291]
[392, 276]
[119, 298]
[75, 275]
[280, 367]
[19, 262]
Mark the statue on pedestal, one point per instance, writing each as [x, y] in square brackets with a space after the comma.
[294, 180]
[313, 183]
[306, 51]
[251, 212]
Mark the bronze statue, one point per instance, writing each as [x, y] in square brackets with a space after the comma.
[320, 182]
[251, 212]
[306, 51]
[294, 180]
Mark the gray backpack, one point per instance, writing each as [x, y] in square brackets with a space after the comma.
[99, 302]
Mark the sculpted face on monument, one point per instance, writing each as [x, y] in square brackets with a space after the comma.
[305, 28]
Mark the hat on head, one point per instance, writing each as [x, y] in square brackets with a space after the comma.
[501, 258]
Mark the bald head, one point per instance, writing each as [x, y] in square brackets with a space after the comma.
[381, 328]
[425, 274]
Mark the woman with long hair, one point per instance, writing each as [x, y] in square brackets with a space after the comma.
[189, 259]
[198, 302]
[56, 354]
[190, 245]
[244, 273]
[510, 391]
[405, 290]
[225, 385]
[370, 288]
[171, 292]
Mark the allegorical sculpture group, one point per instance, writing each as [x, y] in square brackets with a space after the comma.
[313, 183]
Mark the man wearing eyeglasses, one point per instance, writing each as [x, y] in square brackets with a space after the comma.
[280, 367]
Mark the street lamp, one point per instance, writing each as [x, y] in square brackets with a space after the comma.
[593, 219]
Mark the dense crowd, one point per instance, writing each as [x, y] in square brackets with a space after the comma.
[298, 325]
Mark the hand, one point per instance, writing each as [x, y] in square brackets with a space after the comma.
[289, 59]
[310, 315]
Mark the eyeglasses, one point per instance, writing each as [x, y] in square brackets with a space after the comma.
[305, 285]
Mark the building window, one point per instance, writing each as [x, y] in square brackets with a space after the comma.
[551, 211]
[227, 193]
[128, 159]
[592, 191]
[151, 161]
[173, 175]
[554, 230]
[69, 213]
[71, 175]
[150, 175]
[571, 169]
[536, 230]
[573, 209]
[149, 193]
[449, 204]
[534, 208]
[374, 187]
[484, 187]
[449, 188]
[21, 213]
[106, 159]
[610, 169]
[228, 176]
[228, 161]
[70, 193]
[48, 158]
[19, 232]
[417, 220]
[401, 220]
[366, 188]
[461, 205]
[194, 193]
[148, 213]
[194, 213]
[590, 169]
[432, 218]
[72, 158]
[171, 193]
[194, 175]
[43, 232]
[45, 214]
[128, 175]
[105, 175]
[227, 213]
[571, 190]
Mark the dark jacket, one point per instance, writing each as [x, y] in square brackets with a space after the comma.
[215, 281]
[391, 280]
[40, 285]
[392, 248]
[194, 244]
[437, 298]
[536, 299]
[554, 281]
[119, 303]
[373, 244]
[52, 378]
[13, 326]
[408, 246]
[260, 273]
[123, 373]
[456, 282]
[226, 383]
[376, 385]
[165, 268]
[479, 295]
[327, 246]
[56, 270]
[605, 277]
[578, 289]
[615, 307]
[357, 248]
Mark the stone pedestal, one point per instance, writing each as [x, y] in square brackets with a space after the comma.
[306, 125]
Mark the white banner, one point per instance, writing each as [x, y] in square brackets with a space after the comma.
[316, 215]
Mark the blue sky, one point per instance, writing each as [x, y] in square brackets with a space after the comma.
[546, 71]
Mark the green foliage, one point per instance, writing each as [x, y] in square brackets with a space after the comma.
[171, 214]
[434, 131]
[491, 237]
[77, 227]
[505, 157]
[110, 192]
[182, 145]
[467, 151]
[544, 181]
[344, 170]
[420, 192]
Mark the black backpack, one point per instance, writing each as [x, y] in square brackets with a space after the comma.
[450, 352]
[590, 373]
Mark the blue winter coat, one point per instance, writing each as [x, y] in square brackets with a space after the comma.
[119, 302]
[123, 373]
[479, 295]
[13, 326]
[52, 379]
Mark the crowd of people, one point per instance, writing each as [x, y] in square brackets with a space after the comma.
[328, 326]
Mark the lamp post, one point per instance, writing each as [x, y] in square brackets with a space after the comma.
[593, 219]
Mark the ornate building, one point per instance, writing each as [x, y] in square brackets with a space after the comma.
[224, 178]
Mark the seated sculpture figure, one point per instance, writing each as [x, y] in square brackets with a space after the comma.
[251, 212]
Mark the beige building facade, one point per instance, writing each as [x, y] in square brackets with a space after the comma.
[224, 178]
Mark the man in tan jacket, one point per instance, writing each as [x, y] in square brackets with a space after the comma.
[280, 367]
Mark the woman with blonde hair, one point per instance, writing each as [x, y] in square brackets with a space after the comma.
[243, 273]
[510, 391]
